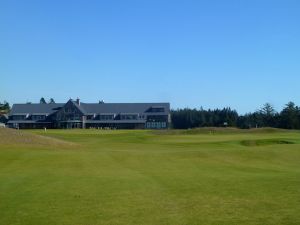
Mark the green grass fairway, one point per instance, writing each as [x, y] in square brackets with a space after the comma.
[205, 176]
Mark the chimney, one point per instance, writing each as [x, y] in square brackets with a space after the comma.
[78, 101]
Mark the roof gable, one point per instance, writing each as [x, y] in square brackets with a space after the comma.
[89, 108]
[73, 104]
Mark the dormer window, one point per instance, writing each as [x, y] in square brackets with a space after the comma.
[156, 109]
[38, 117]
[106, 116]
[129, 116]
[19, 117]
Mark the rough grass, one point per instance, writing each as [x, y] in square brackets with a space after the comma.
[18, 137]
[228, 176]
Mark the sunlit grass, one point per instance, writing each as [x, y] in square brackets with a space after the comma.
[205, 176]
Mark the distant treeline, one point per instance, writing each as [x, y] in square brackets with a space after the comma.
[288, 118]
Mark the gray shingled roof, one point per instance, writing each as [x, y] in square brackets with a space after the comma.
[35, 108]
[121, 107]
[88, 108]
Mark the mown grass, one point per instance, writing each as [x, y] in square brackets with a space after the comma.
[202, 176]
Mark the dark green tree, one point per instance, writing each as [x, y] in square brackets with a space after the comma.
[267, 110]
[42, 100]
[267, 114]
[289, 116]
[4, 107]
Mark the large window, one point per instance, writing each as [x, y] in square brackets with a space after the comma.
[156, 125]
[76, 117]
[69, 112]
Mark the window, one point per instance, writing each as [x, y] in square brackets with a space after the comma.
[90, 117]
[69, 110]
[106, 117]
[156, 125]
[19, 117]
[76, 117]
[38, 117]
[157, 118]
[129, 117]
[156, 109]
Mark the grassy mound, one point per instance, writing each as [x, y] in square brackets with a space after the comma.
[221, 130]
[19, 137]
[264, 142]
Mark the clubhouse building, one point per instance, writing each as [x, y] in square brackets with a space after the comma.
[76, 114]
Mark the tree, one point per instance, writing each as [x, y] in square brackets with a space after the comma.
[190, 118]
[42, 100]
[267, 110]
[51, 101]
[267, 114]
[4, 107]
[289, 116]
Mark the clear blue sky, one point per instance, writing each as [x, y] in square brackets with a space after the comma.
[189, 53]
